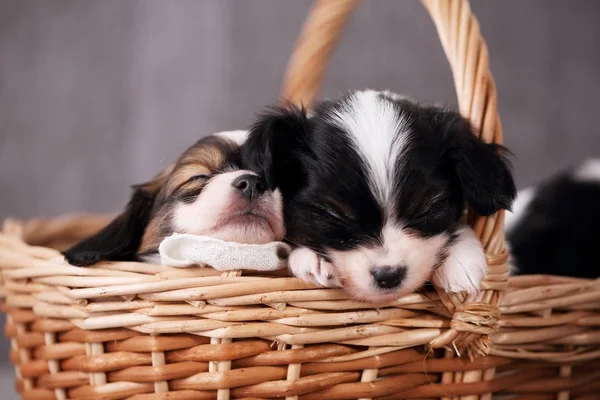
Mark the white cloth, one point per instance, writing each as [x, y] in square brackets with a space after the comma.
[185, 250]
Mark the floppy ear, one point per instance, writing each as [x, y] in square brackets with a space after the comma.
[121, 238]
[274, 143]
[481, 168]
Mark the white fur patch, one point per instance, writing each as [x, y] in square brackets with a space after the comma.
[238, 137]
[396, 96]
[379, 135]
[465, 267]
[589, 171]
[153, 258]
[310, 267]
[524, 198]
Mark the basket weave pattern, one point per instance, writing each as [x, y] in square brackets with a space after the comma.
[136, 330]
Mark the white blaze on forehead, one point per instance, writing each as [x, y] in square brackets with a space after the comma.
[379, 135]
[238, 137]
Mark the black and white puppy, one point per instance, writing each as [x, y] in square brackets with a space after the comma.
[554, 227]
[374, 187]
[205, 192]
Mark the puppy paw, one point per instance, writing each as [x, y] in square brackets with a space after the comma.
[465, 267]
[82, 258]
[311, 267]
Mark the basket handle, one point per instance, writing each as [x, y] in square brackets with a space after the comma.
[467, 54]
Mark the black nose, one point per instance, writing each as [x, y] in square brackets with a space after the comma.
[251, 186]
[388, 277]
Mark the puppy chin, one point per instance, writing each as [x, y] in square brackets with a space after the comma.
[245, 230]
[268, 208]
[371, 294]
[253, 222]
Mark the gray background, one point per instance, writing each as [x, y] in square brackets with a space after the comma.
[97, 95]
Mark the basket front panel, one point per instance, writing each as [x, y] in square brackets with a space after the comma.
[121, 330]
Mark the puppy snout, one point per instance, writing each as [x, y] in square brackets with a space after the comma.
[250, 186]
[388, 277]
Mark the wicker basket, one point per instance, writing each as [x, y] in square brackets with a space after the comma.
[134, 330]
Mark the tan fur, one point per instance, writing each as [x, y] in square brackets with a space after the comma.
[198, 159]
[151, 238]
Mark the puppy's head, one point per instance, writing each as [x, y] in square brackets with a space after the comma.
[377, 184]
[203, 193]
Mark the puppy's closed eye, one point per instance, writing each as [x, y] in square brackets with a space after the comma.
[332, 213]
[337, 210]
[196, 178]
[199, 177]
[433, 219]
[191, 187]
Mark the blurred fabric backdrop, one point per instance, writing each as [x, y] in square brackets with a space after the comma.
[97, 95]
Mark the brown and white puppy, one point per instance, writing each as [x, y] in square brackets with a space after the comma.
[203, 193]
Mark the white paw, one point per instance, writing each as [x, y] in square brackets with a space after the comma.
[311, 267]
[465, 267]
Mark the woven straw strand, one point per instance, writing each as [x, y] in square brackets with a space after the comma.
[318, 39]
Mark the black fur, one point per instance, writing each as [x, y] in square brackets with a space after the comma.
[481, 168]
[328, 203]
[558, 232]
[120, 239]
[278, 157]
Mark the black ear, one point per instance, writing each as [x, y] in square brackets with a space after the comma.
[274, 142]
[119, 240]
[481, 168]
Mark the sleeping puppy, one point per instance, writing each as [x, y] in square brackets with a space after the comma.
[374, 188]
[553, 228]
[204, 192]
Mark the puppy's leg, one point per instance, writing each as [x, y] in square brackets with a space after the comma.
[311, 267]
[465, 267]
